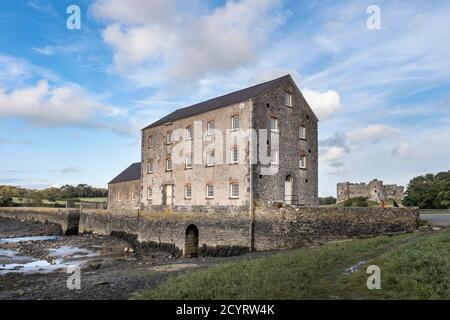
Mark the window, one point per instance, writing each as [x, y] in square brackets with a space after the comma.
[288, 99]
[234, 122]
[211, 128]
[234, 190]
[168, 164]
[118, 196]
[275, 157]
[273, 123]
[302, 132]
[149, 193]
[210, 159]
[302, 162]
[150, 166]
[189, 133]
[169, 137]
[235, 155]
[150, 141]
[133, 195]
[188, 191]
[209, 191]
[188, 162]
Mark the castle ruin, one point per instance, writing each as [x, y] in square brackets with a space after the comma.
[374, 191]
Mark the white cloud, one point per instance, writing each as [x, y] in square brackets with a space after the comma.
[45, 106]
[324, 104]
[370, 134]
[404, 150]
[186, 46]
[134, 45]
[134, 11]
[333, 154]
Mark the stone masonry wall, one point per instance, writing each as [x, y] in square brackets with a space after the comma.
[120, 195]
[275, 225]
[291, 146]
[278, 226]
[220, 175]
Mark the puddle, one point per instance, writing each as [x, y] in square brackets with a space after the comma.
[60, 258]
[27, 239]
[174, 267]
[354, 267]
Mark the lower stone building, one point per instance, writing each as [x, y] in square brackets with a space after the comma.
[125, 189]
[374, 191]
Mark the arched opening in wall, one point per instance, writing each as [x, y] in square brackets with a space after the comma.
[288, 183]
[191, 242]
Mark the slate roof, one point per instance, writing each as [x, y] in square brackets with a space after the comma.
[216, 103]
[133, 172]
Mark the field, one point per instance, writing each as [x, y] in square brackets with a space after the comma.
[413, 266]
[20, 201]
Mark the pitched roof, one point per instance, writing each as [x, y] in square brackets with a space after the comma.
[133, 172]
[218, 102]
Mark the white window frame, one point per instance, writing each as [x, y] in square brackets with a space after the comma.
[232, 195]
[118, 196]
[211, 128]
[233, 159]
[186, 187]
[275, 121]
[150, 166]
[288, 99]
[207, 191]
[150, 142]
[302, 160]
[169, 137]
[189, 133]
[233, 127]
[275, 158]
[133, 195]
[149, 193]
[169, 167]
[188, 164]
[208, 154]
[302, 132]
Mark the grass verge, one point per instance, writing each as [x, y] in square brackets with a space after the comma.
[413, 266]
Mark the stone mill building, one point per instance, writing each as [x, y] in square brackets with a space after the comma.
[221, 155]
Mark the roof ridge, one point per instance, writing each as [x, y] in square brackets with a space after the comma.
[217, 102]
[233, 92]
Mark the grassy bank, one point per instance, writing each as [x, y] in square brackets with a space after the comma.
[412, 266]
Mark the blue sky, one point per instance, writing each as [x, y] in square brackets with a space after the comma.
[72, 101]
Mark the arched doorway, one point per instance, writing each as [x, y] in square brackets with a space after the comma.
[191, 242]
[288, 182]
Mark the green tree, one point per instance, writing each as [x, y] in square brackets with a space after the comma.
[430, 191]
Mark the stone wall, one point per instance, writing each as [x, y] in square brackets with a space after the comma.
[220, 175]
[68, 219]
[275, 225]
[120, 195]
[278, 226]
[168, 227]
[271, 187]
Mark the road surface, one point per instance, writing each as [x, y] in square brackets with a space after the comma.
[436, 219]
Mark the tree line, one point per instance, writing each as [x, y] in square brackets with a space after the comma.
[65, 192]
[429, 191]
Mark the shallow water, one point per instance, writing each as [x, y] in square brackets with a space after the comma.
[354, 267]
[26, 239]
[59, 258]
